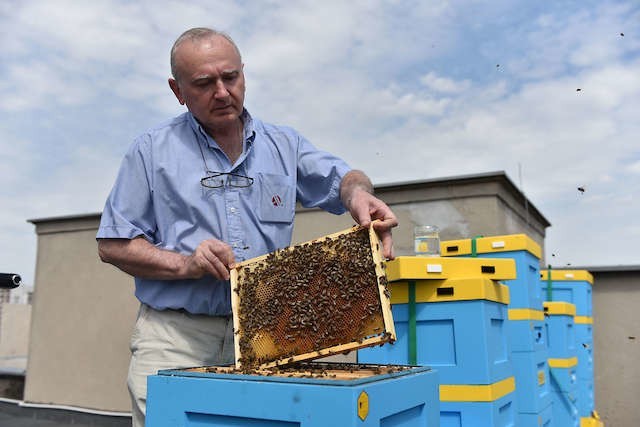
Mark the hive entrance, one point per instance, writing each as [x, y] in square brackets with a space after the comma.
[318, 298]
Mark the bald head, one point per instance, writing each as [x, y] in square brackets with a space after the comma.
[196, 35]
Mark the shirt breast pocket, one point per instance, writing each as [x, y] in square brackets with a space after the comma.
[277, 198]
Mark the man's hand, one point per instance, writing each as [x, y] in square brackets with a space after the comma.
[356, 193]
[211, 256]
[140, 258]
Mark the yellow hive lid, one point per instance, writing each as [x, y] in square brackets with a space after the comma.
[525, 314]
[446, 290]
[567, 275]
[558, 308]
[569, 362]
[415, 268]
[476, 392]
[491, 244]
[584, 320]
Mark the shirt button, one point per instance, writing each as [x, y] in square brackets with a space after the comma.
[232, 210]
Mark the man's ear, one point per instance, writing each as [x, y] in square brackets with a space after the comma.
[173, 84]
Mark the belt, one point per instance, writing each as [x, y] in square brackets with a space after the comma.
[184, 311]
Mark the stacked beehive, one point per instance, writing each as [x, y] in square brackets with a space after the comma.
[526, 332]
[450, 314]
[562, 362]
[574, 287]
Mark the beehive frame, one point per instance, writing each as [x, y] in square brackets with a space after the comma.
[317, 370]
[279, 300]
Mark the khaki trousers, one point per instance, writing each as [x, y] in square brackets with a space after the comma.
[174, 339]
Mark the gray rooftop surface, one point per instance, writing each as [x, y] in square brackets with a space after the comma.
[14, 415]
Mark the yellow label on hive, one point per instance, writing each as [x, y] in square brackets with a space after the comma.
[541, 378]
[363, 405]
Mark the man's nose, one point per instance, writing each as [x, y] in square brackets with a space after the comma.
[221, 90]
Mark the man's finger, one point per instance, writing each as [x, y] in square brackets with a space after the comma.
[216, 267]
[387, 244]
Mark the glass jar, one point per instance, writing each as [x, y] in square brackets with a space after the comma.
[426, 240]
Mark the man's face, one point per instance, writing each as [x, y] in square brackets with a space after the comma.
[210, 81]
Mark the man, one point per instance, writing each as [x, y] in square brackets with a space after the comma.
[209, 188]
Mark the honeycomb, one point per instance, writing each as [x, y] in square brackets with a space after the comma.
[322, 297]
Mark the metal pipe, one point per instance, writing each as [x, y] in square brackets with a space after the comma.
[10, 280]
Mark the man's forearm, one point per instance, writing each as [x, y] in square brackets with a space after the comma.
[140, 258]
[352, 182]
[356, 193]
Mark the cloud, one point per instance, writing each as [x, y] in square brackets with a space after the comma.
[634, 167]
[32, 84]
[404, 90]
[443, 84]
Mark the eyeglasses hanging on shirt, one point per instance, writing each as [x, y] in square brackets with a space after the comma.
[222, 179]
[225, 179]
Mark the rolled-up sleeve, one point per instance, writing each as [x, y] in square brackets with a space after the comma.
[128, 211]
[319, 177]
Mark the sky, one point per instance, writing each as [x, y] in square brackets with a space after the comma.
[548, 92]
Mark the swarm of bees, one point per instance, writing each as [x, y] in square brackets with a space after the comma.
[308, 298]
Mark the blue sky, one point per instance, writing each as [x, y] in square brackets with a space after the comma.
[405, 90]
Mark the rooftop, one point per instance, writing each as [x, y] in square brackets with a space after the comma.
[14, 413]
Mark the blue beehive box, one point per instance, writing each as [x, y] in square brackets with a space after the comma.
[560, 329]
[586, 401]
[495, 408]
[456, 326]
[573, 286]
[564, 391]
[525, 289]
[199, 397]
[585, 362]
[565, 411]
[584, 329]
[531, 372]
[584, 352]
[563, 375]
[526, 330]
[544, 418]
[584, 347]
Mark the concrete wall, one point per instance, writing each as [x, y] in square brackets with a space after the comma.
[83, 313]
[14, 333]
[84, 310]
[616, 332]
[14, 348]
[461, 207]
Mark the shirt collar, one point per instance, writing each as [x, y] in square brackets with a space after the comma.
[249, 132]
[249, 129]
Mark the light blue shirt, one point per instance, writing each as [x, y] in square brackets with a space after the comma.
[158, 195]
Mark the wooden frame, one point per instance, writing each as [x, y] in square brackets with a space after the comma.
[240, 273]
